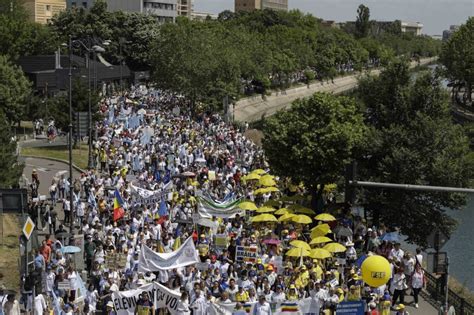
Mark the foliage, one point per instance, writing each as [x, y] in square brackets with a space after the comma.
[14, 90]
[19, 36]
[11, 169]
[412, 140]
[458, 58]
[362, 24]
[314, 140]
[57, 108]
[131, 32]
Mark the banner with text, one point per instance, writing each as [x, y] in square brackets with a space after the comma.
[125, 302]
[208, 208]
[151, 261]
[246, 254]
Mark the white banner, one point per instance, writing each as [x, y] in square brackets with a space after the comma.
[146, 196]
[300, 307]
[209, 209]
[125, 302]
[151, 261]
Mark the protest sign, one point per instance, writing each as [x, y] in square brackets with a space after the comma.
[151, 261]
[221, 241]
[351, 308]
[246, 254]
[125, 302]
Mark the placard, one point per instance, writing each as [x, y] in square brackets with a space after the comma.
[221, 241]
[351, 308]
[212, 175]
[246, 254]
[64, 285]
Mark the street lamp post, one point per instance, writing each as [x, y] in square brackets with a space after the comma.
[71, 201]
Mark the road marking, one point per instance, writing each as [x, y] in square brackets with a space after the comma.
[41, 169]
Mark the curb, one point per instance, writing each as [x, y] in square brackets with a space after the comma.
[77, 168]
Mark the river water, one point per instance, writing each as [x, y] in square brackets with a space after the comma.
[460, 247]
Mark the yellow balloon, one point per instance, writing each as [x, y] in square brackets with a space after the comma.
[376, 271]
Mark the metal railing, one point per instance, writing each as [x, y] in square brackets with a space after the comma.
[436, 288]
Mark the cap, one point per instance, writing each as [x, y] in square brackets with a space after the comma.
[400, 307]
[303, 267]
[292, 286]
[340, 291]
[270, 267]
[110, 304]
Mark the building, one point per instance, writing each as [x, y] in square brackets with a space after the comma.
[49, 73]
[251, 5]
[411, 27]
[42, 11]
[185, 8]
[448, 33]
[164, 10]
[202, 16]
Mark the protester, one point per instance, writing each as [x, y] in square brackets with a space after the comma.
[166, 173]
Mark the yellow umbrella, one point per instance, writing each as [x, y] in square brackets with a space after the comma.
[335, 248]
[247, 205]
[329, 187]
[272, 203]
[320, 240]
[283, 211]
[266, 180]
[319, 253]
[259, 191]
[301, 219]
[300, 244]
[286, 217]
[320, 230]
[264, 218]
[265, 209]
[252, 176]
[301, 209]
[258, 171]
[297, 252]
[325, 217]
[270, 189]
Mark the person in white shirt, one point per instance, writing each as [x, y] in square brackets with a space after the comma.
[11, 306]
[396, 254]
[183, 305]
[40, 305]
[399, 286]
[417, 282]
[262, 307]
[199, 306]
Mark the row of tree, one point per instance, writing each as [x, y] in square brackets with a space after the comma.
[399, 130]
[238, 53]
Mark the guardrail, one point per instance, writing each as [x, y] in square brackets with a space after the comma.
[436, 288]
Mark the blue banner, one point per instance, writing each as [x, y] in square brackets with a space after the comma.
[351, 308]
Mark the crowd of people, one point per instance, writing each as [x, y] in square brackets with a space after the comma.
[150, 142]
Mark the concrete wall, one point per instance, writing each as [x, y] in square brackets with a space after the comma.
[253, 108]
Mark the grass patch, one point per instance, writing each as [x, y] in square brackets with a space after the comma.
[9, 253]
[461, 290]
[80, 155]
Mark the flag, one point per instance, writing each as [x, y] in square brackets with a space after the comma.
[163, 210]
[167, 177]
[177, 243]
[118, 206]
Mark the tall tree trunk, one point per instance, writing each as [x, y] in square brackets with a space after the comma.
[316, 197]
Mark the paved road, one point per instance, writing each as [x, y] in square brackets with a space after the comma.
[253, 108]
[43, 142]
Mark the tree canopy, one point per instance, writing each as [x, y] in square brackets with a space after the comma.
[362, 23]
[411, 140]
[458, 58]
[314, 140]
[14, 90]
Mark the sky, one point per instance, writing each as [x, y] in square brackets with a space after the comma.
[435, 15]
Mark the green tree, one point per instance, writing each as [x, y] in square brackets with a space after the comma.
[362, 23]
[11, 169]
[314, 139]
[19, 36]
[458, 58]
[14, 90]
[412, 140]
